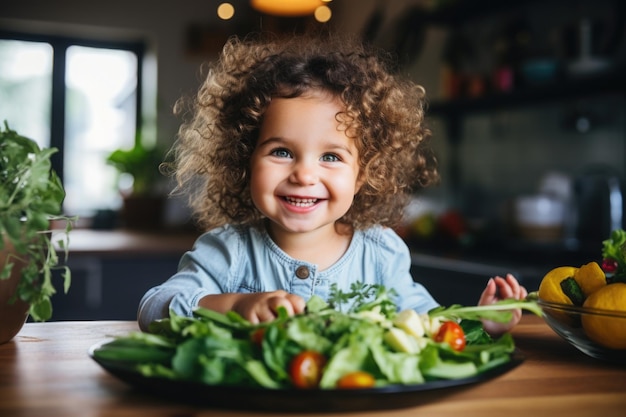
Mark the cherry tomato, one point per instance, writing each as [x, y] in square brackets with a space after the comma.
[357, 379]
[451, 333]
[609, 265]
[257, 336]
[306, 369]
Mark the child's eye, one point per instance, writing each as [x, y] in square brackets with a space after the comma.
[330, 158]
[281, 153]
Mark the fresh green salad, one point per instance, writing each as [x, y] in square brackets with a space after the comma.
[355, 340]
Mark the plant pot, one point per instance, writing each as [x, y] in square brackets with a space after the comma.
[12, 315]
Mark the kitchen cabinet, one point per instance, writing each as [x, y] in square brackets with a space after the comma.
[109, 288]
[112, 270]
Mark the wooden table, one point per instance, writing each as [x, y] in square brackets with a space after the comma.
[45, 371]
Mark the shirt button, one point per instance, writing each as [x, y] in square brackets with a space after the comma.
[302, 272]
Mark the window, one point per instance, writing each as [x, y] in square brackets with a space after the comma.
[26, 88]
[82, 97]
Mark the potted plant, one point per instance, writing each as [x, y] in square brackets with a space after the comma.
[31, 195]
[144, 202]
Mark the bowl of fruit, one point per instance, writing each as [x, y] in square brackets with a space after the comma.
[586, 305]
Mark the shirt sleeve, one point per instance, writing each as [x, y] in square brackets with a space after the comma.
[395, 262]
[204, 270]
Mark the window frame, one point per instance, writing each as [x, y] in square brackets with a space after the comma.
[59, 45]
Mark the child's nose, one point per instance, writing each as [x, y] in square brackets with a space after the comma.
[304, 173]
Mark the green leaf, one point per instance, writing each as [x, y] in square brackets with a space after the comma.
[13, 227]
[349, 359]
[572, 290]
[316, 304]
[6, 270]
[475, 334]
[67, 279]
[41, 310]
[157, 370]
[230, 319]
[185, 361]
[39, 221]
[277, 351]
[498, 312]
[307, 333]
[259, 373]
[397, 367]
[134, 352]
[451, 370]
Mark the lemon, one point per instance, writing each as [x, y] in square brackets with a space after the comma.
[607, 331]
[550, 287]
[590, 277]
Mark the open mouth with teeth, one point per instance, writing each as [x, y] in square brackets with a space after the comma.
[301, 202]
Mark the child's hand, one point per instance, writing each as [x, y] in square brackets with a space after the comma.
[497, 289]
[263, 306]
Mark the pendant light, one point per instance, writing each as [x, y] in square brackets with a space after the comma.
[287, 8]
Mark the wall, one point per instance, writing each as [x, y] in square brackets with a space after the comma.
[508, 152]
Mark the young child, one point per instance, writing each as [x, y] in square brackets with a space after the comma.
[299, 158]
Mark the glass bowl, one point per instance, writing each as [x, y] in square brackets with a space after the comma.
[566, 321]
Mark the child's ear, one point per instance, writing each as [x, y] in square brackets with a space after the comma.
[359, 183]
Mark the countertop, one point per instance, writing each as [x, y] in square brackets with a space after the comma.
[126, 242]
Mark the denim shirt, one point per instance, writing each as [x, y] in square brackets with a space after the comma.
[246, 260]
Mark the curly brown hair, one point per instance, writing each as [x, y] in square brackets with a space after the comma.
[385, 116]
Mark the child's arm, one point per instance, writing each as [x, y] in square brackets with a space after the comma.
[255, 307]
[497, 289]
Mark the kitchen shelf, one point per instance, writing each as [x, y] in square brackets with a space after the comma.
[607, 82]
[564, 87]
[457, 13]
[462, 11]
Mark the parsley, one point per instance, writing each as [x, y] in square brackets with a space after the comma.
[363, 297]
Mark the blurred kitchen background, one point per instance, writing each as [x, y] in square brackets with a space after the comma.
[526, 106]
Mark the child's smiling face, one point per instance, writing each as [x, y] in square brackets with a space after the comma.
[304, 169]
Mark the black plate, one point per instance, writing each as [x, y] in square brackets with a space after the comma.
[297, 400]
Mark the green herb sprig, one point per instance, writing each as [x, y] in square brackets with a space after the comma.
[362, 297]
